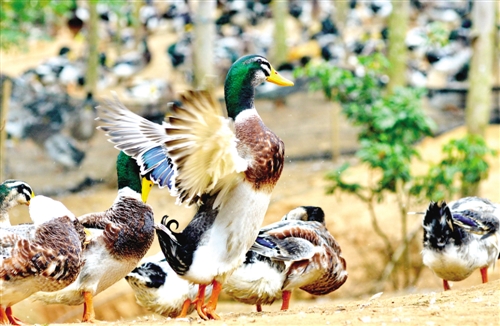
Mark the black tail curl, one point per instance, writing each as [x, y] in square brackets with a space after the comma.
[169, 223]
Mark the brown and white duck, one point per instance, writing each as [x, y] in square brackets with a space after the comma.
[46, 255]
[121, 236]
[296, 252]
[228, 167]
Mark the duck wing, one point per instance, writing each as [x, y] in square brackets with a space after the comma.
[53, 251]
[288, 240]
[139, 138]
[195, 153]
[316, 262]
[202, 145]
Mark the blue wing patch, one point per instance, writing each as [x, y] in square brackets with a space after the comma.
[156, 162]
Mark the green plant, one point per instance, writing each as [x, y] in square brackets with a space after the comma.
[21, 19]
[462, 168]
[390, 125]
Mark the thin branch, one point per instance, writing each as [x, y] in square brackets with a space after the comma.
[376, 227]
[396, 257]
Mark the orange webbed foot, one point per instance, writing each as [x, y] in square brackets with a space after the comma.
[11, 319]
[88, 308]
[209, 308]
[200, 301]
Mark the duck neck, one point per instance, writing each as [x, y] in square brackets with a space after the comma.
[239, 93]
[5, 204]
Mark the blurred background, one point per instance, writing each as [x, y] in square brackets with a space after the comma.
[395, 103]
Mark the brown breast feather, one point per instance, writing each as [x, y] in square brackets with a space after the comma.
[265, 148]
[128, 228]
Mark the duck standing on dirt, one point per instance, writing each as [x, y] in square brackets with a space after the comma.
[121, 236]
[13, 193]
[46, 255]
[461, 237]
[228, 167]
[159, 289]
[296, 252]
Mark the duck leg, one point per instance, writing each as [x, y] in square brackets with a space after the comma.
[11, 319]
[3, 316]
[5, 319]
[446, 286]
[484, 274]
[211, 305]
[185, 308]
[200, 301]
[285, 296]
[259, 307]
[88, 308]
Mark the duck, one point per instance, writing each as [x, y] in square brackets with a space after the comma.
[461, 237]
[121, 237]
[82, 121]
[296, 252]
[132, 62]
[45, 255]
[160, 290]
[13, 193]
[225, 167]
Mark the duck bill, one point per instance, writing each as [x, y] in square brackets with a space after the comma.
[88, 236]
[146, 188]
[32, 195]
[277, 79]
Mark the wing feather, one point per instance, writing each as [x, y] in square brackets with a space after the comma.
[204, 149]
[193, 154]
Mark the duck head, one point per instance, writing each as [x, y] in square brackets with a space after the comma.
[245, 74]
[129, 175]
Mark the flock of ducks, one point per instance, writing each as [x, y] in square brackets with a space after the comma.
[242, 27]
[226, 167]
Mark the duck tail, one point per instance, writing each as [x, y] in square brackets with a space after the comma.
[438, 225]
[169, 245]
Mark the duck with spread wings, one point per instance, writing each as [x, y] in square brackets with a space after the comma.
[227, 167]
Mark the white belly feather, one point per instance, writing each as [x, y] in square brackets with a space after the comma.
[235, 229]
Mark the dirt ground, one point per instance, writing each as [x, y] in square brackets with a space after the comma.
[304, 125]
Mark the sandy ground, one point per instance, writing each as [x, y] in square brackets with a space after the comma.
[304, 125]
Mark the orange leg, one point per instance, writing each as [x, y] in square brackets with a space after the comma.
[185, 308]
[4, 319]
[200, 301]
[446, 286]
[211, 305]
[286, 299]
[12, 320]
[484, 274]
[88, 308]
[259, 307]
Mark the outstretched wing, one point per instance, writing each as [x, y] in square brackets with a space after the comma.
[202, 145]
[195, 153]
[139, 138]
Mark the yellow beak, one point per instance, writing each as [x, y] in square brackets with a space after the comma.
[146, 188]
[88, 236]
[32, 195]
[277, 79]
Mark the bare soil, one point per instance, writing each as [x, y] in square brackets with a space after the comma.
[304, 125]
